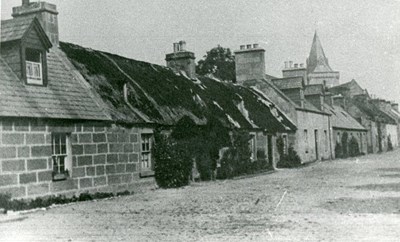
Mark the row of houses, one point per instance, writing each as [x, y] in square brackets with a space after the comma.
[74, 119]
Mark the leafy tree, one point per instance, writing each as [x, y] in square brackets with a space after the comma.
[219, 62]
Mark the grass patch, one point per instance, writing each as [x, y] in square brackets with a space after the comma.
[24, 204]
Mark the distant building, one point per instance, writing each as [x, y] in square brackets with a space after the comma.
[378, 116]
[318, 68]
[312, 138]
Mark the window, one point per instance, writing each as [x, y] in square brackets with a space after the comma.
[306, 140]
[60, 156]
[34, 71]
[253, 147]
[146, 162]
[285, 144]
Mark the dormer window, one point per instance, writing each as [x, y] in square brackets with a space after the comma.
[34, 71]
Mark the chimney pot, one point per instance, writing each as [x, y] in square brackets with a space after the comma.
[255, 46]
[25, 2]
[176, 47]
[296, 65]
[301, 65]
[248, 46]
[286, 64]
[182, 45]
[290, 64]
[242, 47]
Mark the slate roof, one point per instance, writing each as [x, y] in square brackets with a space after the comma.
[269, 77]
[347, 86]
[14, 29]
[371, 110]
[65, 97]
[289, 82]
[317, 61]
[314, 89]
[340, 119]
[163, 97]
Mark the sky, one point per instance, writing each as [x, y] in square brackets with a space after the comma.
[361, 38]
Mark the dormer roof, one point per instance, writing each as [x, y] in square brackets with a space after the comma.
[19, 28]
[289, 83]
[316, 89]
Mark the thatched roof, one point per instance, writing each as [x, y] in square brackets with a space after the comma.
[158, 95]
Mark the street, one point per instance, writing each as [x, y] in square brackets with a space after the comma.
[342, 200]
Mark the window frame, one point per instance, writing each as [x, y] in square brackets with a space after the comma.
[60, 175]
[253, 147]
[43, 64]
[148, 169]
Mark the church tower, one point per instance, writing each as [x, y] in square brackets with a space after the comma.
[318, 69]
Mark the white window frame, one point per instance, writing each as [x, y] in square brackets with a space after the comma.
[32, 76]
[34, 68]
[146, 144]
[253, 147]
[61, 158]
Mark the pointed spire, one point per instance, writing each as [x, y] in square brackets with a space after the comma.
[317, 61]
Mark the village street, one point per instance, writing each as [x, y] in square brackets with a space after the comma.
[340, 200]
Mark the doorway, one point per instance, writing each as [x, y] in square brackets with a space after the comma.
[316, 144]
[270, 155]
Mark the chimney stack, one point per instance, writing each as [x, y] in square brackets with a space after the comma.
[182, 60]
[250, 63]
[46, 14]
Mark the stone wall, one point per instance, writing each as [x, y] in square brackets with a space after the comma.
[306, 146]
[104, 157]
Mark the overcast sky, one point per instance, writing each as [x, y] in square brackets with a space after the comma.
[361, 38]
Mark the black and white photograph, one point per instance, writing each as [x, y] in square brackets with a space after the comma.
[199, 120]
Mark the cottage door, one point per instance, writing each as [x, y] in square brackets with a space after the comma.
[316, 144]
[270, 155]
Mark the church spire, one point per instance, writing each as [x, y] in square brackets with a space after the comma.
[318, 69]
[317, 61]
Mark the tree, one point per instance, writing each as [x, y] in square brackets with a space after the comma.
[219, 62]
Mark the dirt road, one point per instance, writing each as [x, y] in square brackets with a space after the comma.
[341, 200]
